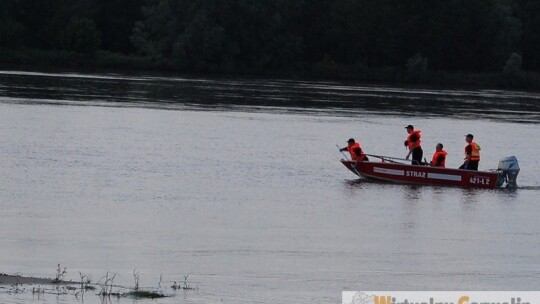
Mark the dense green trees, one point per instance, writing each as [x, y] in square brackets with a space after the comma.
[227, 35]
[255, 36]
[81, 36]
[78, 25]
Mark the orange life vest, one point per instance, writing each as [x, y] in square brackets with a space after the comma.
[352, 149]
[475, 154]
[413, 145]
[436, 156]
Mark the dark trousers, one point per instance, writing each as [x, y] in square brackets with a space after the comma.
[417, 154]
[471, 165]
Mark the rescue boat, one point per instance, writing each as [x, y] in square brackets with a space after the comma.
[397, 170]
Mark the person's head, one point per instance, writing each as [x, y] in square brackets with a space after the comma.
[409, 128]
[469, 138]
[350, 141]
[439, 147]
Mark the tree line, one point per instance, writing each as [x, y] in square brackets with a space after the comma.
[252, 36]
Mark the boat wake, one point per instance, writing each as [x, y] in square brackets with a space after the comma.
[533, 188]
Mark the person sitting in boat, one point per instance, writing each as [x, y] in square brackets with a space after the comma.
[472, 154]
[439, 157]
[413, 143]
[355, 150]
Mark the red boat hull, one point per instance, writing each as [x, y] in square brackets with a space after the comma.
[405, 173]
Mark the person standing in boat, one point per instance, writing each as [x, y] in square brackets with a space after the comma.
[355, 150]
[472, 154]
[439, 157]
[413, 143]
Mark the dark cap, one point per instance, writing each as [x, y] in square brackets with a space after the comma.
[469, 135]
[409, 127]
[351, 140]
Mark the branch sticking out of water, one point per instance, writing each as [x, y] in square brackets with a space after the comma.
[60, 274]
[183, 285]
[136, 278]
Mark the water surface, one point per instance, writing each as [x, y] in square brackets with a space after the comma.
[238, 184]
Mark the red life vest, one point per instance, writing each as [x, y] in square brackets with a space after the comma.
[475, 152]
[352, 149]
[436, 156]
[413, 145]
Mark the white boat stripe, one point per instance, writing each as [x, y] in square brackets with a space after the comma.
[388, 171]
[444, 176]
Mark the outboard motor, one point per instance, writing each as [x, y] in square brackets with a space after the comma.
[508, 172]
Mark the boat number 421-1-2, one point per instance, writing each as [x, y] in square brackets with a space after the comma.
[478, 180]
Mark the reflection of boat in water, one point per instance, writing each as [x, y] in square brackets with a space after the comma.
[396, 170]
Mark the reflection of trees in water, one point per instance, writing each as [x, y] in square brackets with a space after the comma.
[294, 96]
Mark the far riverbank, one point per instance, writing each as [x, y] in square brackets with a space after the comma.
[46, 60]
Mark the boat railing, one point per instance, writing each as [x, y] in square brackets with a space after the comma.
[391, 159]
[383, 158]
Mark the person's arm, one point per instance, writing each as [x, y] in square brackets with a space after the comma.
[343, 149]
[408, 155]
[414, 138]
[468, 152]
[440, 160]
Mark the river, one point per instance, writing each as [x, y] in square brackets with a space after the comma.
[237, 184]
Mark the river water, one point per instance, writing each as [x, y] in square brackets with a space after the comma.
[237, 183]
